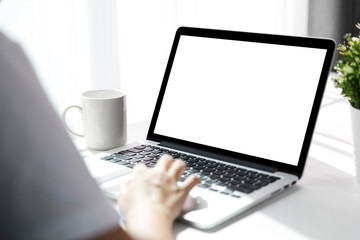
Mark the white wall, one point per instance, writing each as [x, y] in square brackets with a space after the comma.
[147, 29]
[54, 35]
[60, 37]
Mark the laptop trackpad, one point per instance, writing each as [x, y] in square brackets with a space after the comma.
[193, 203]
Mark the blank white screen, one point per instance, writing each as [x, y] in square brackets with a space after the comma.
[247, 97]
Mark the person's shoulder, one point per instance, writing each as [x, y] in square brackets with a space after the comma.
[8, 47]
[2, 36]
[5, 40]
[14, 66]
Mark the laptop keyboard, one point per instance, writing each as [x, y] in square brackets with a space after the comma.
[215, 176]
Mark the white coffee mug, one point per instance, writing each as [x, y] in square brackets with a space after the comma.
[103, 118]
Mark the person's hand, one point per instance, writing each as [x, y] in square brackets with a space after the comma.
[152, 200]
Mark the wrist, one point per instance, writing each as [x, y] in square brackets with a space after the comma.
[150, 223]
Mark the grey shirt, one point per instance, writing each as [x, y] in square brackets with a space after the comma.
[46, 191]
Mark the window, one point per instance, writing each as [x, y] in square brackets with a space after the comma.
[84, 44]
[54, 36]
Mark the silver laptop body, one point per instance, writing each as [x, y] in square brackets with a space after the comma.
[248, 101]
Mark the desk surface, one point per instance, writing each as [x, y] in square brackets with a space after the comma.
[324, 204]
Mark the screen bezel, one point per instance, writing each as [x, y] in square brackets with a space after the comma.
[320, 43]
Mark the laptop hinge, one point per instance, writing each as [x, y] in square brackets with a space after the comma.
[218, 156]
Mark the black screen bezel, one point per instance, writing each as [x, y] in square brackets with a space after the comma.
[320, 43]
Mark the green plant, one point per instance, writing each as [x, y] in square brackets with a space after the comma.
[348, 69]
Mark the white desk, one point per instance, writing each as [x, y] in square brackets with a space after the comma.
[325, 204]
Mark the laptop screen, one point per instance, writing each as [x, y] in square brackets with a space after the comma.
[247, 97]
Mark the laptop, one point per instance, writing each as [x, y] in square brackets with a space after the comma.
[240, 109]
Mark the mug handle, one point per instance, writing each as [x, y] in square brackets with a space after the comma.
[64, 120]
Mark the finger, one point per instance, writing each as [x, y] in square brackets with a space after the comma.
[189, 183]
[139, 168]
[123, 187]
[177, 168]
[164, 162]
[122, 198]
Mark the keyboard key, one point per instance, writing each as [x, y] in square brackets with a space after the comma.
[241, 189]
[269, 179]
[201, 176]
[147, 158]
[210, 166]
[114, 160]
[232, 170]
[203, 185]
[236, 194]
[134, 150]
[135, 160]
[221, 167]
[208, 170]
[106, 158]
[190, 164]
[123, 162]
[127, 153]
[218, 188]
[121, 156]
[140, 147]
[241, 173]
[131, 165]
[224, 179]
[154, 161]
[214, 176]
[263, 175]
[229, 175]
[261, 183]
[148, 149]
[273, 178]
[235, 182]
[250, 186]
[150, 165]
[182, 178]
[250, 181]
[253, 175]
[202, 163]
[184, 157]
[213, 164]
[197, 167]
[218, 172]
[209, 181]
[239, 178]
[191, 171]
[191, 160]
[227, 192]
[218, 183]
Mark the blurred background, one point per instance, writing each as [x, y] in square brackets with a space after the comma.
[89, 44]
